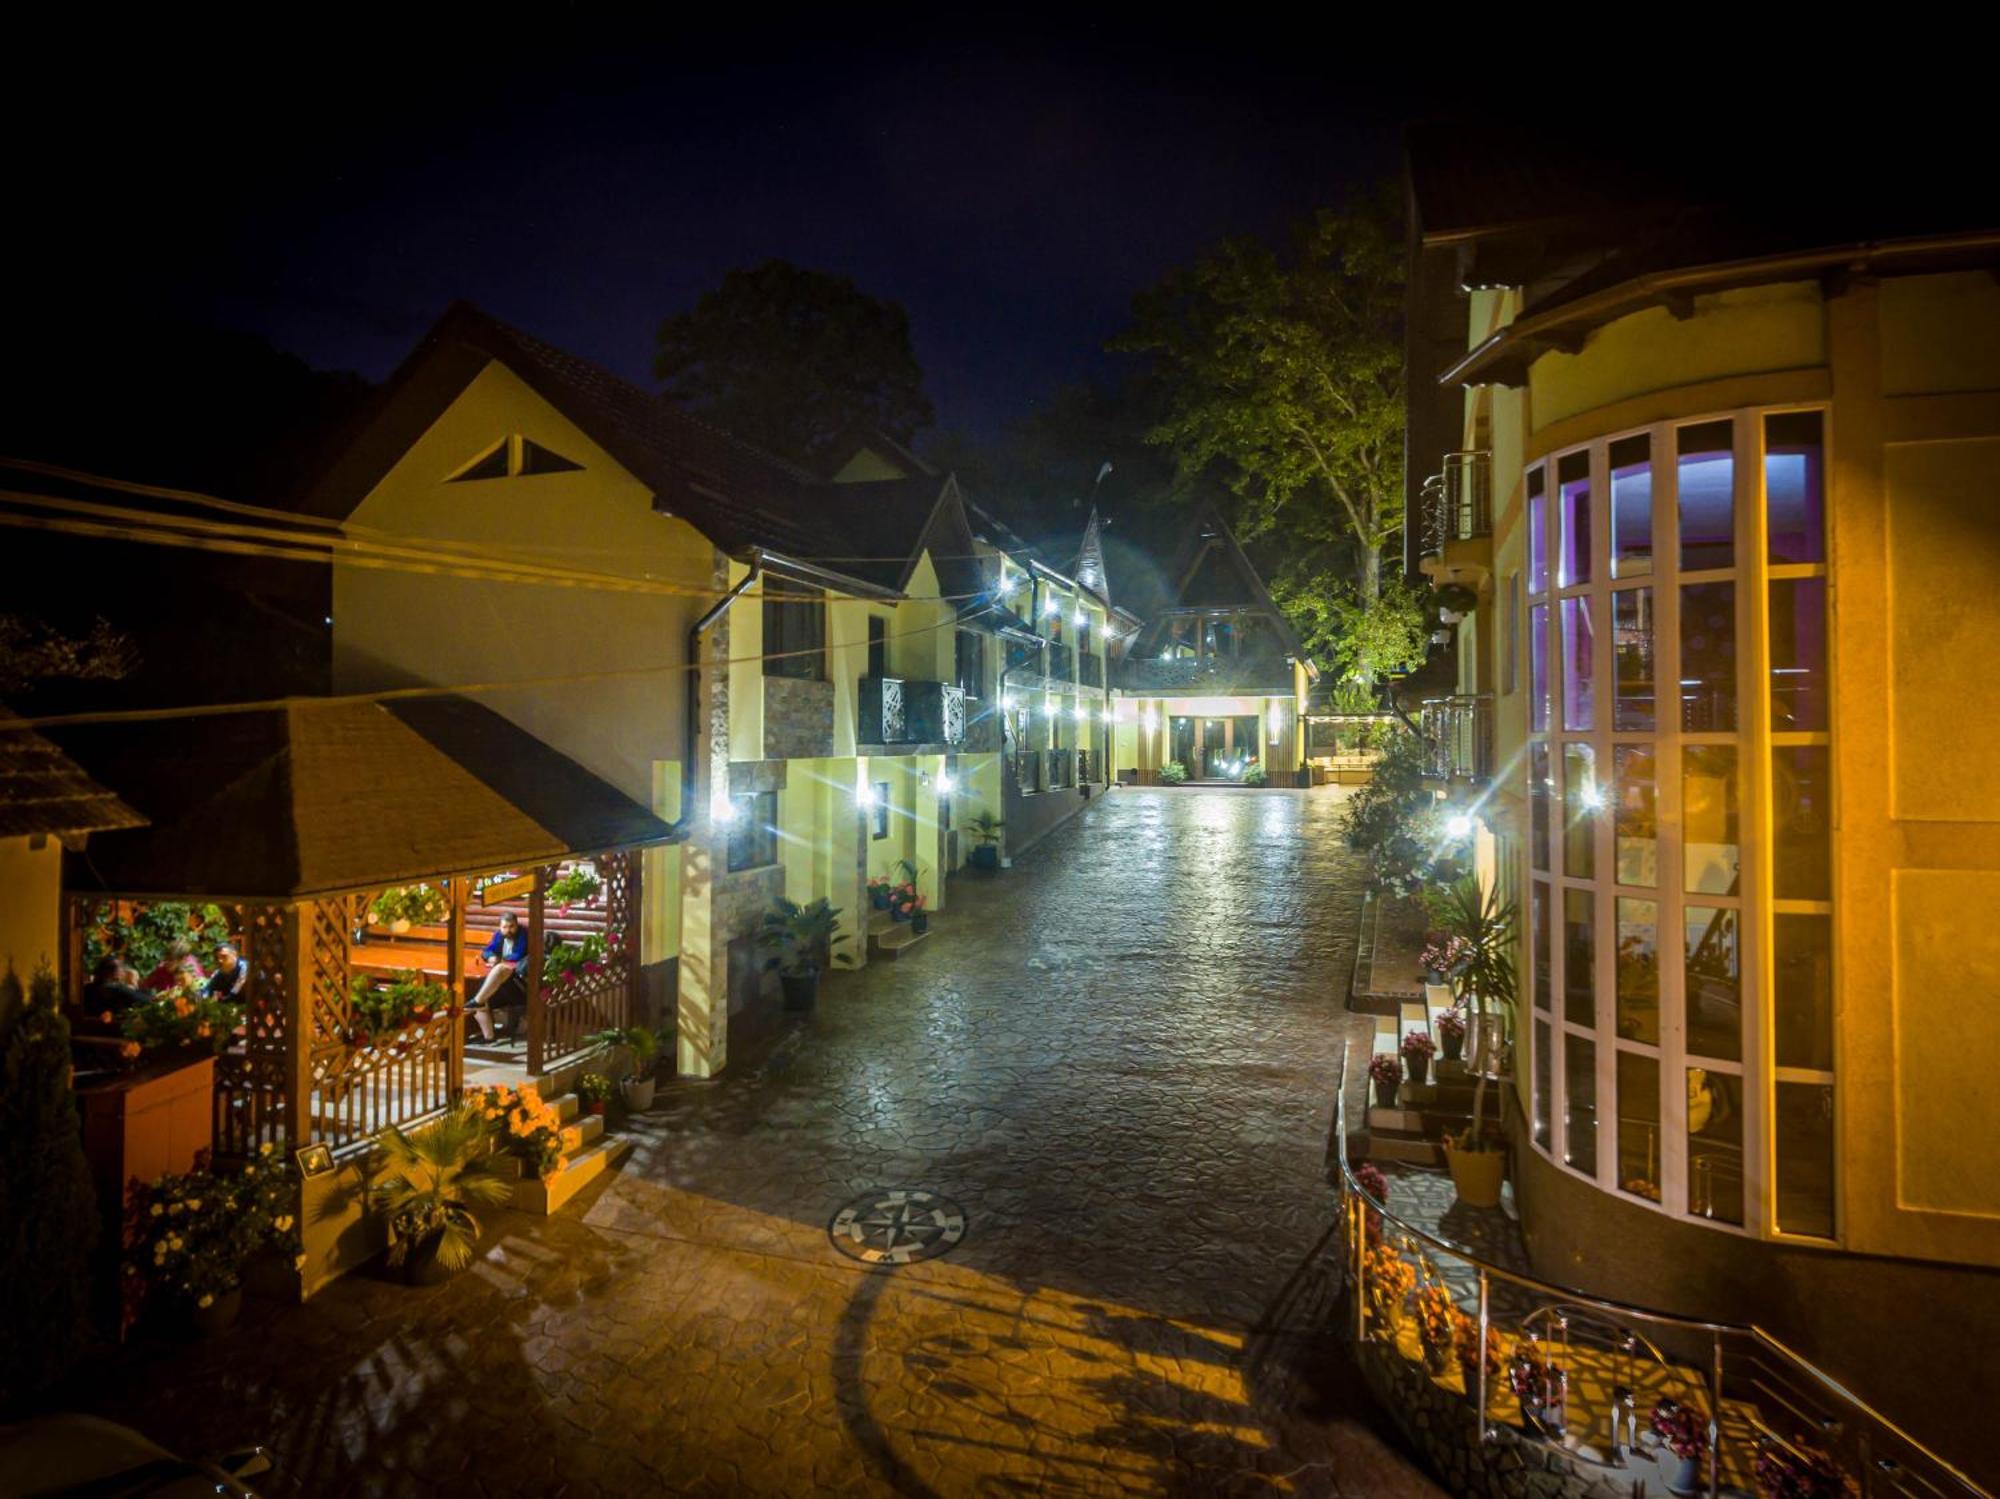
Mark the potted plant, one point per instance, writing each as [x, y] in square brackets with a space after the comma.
[1442, 956]
[431, 1182]
[1483, 985]
[799, 938]
[986, 847]
[402, 906]
[638, 1046]
[1451, 1033]
[1434, 1309]
[190, 1235]
[1418, 1049]
[594, 1089]
[1465, 1339]
[878, 892]
[1684, 1433]
[577, 888]
[528, 1127]
[1173, 773]
[1387, 1074]
[182, 1017]
[920, 919]
[1542, 1389]
[1797, 1471]
[1390, 1279]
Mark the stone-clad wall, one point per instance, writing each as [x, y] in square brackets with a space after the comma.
[798, 719]
[1438, 1422]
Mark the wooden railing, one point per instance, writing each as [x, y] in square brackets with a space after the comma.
[398, 1080]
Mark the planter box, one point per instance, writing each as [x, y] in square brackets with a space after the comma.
[149, 1122]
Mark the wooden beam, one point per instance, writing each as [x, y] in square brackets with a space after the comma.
[537, 1019]
[456, 894]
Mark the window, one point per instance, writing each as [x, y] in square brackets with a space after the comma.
[878, 646]
[794, 631]
[971, 663]
[1083, 635]
[881, 809]
[1657, 955]
[513, 457]
[753, 835]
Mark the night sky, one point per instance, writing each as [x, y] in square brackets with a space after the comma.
[1011, 197]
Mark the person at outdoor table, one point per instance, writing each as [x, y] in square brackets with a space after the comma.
[231, 974]
[111, 991]
[507, 950]
[176, 968]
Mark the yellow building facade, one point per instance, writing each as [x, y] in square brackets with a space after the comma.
[1727, 528]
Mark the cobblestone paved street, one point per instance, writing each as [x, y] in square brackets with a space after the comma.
[1114, 1058]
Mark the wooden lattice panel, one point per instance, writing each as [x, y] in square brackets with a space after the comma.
[328, 1001]
[252, 1079]
[599, 1001]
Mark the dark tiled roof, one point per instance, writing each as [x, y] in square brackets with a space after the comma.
[43, 791]
[1211, 572]
[315, 798]
[1157, 678]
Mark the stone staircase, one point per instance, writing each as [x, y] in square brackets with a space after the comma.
[1411, 1132]
[890, 938]
[599, 1152]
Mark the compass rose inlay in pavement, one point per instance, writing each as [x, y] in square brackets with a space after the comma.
[897, 1227]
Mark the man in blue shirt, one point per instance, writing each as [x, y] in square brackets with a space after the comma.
[505, 953]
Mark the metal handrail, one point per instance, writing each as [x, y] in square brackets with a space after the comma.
[1358, 1202]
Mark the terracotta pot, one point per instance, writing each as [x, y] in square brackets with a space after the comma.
[595, 1106]
[218, 1316]
[1477, 1175]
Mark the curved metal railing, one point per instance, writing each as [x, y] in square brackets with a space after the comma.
[1772, 1394]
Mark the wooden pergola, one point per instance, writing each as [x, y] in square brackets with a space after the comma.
[290, 821]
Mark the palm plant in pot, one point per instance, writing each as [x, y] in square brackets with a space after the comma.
[431, 1182]
[1483, 987]
[986, 847]
[637, 1047]
[799, 939]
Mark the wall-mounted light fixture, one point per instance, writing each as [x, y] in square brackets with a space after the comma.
[947, 783]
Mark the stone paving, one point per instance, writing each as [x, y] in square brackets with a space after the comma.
[1114, 1058]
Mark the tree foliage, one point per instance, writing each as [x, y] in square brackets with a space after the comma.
[1398, 822]
[1283, 374]
[31, 652]
[48, 1205]
[1355, 642]
[790, 359]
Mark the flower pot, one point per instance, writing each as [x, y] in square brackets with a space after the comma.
[920, 922]
[421, 1266]
[1683, 1473]
[1477, 1175]
[801, 990]
[218, 1316]
[1385, 1094]
[400, 925]
[638, 1091]
[595, 1106]
[987, 857]
[879, 899]
[899, 913]
[1419, 1067]
[1454, 1045]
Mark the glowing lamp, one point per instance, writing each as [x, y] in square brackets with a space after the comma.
[1459, 825]
[1109, 716]
[1081, 713]
[865, 797]
[947, 783]
[1008, 703]
[1055, 608]
[725, 812]
[1592, 798]
[1082, 618]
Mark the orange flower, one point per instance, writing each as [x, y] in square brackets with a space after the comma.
[129, 1049]
[105, 1017]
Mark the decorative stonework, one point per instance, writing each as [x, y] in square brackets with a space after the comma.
[897, 1227]
[798, 719]
[752, 777]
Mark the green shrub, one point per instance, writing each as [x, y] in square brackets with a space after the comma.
[1173, 773]
[1396, 821]
[48, 1205]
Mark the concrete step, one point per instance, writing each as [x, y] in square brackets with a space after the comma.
[1418, 1152]
[899, 939]
[532, 1195]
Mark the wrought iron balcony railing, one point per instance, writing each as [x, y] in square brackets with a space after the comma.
[894, 711]
[1458, 503]
[1458, 737]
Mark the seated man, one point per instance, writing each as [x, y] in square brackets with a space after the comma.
[231, 976]
[507, 950]
[111, 990]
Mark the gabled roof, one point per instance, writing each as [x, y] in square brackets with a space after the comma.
[888, 523]
[1211, 572]
[43, 791]
[738, 496]
[317, 798]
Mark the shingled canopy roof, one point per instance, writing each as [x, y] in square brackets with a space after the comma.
[44, 792]
[318, 798]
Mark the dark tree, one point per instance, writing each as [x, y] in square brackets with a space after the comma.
[790, 359]
[48, 1206]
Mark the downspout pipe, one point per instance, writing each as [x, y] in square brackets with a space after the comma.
[715, 612]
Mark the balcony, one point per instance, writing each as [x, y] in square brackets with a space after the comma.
[1458, 738]
[1061, 769]
[894, 711]
[1458, 520]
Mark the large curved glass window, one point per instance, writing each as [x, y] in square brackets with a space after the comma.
[1680, 858]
